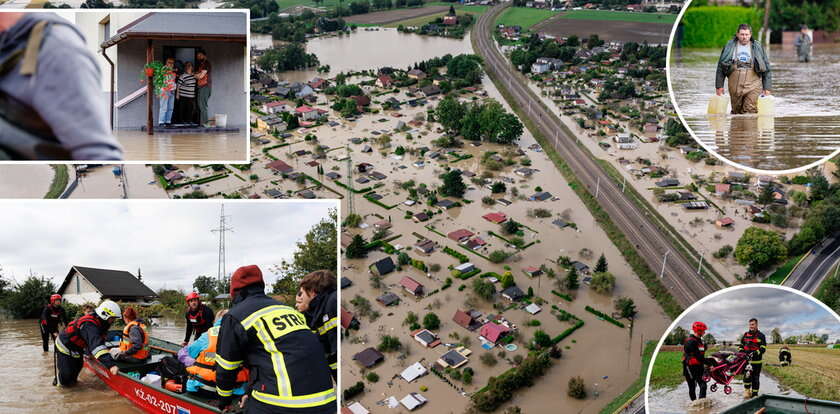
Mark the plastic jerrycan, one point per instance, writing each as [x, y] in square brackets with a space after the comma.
[718, 105]
[766, 105]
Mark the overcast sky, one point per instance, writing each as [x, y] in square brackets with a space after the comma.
[727, 314]
[170, 241]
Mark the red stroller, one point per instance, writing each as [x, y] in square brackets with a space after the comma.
[726, 365]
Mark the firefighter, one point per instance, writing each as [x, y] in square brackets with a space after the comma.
[755, 342]
[694, 357]
[134, 345]
[745, 65]
[288, 370]
[784, 356]
[202, 370]
[317, 300]
[50, 104]
[51, 316]
[199, 317]
[85, 335]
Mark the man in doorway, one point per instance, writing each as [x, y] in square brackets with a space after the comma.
[202, 76]
[753, 341]
[803, 44]
[744, 63]
[51, 105]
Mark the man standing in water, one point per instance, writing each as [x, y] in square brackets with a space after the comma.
[52, 315]
[50, 101]
[744, 63]
[755, 342]
[803, 44]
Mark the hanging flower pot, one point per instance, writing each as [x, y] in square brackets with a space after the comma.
[150, 72]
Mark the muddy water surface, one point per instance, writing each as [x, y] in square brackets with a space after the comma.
[25, 181]
[163, 146]
[28, 373]
[666, 401]
[806, 126]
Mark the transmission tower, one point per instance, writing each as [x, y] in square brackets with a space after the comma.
[350, 208]
[223, 228]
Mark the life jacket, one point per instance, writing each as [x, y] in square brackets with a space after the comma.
[204, 369]
[125, 342]
[197, 318]
[25, 134]
[74, 328]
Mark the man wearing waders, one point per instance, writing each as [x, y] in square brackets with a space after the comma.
[744, 63]
[803, 44]
[51, 105]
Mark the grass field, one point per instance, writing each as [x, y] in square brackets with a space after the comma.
[523, 16]
[815, 372]
[59, 181]
[476, 11]
[783, 271]
[620, 16]
[667, 370]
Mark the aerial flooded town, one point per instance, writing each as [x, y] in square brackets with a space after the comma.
[481, 150]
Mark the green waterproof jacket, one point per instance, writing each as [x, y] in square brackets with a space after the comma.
[726, 63]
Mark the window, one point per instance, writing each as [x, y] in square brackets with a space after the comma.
[78, 289]
[105, 29]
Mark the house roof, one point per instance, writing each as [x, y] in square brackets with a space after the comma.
[388, 299]
[414, 371]
[459, 234]
[369, 357]
[345, 282]
[513, 292]
[411, 284]
[413, 400]
[195, 26]
[113, 283]
[495, 217]
[384, 265]
[453, 358]
[304, 109]
[280, 165]
[493, 331]
[462, 318]
[346, 318]
[726, 221]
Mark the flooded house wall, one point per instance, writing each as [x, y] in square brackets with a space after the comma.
[228, 96]
[79, 290]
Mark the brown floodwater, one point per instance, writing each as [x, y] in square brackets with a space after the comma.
[164, 146]
[25, 180]
[806, 125]
[28, 375]
[354, 52]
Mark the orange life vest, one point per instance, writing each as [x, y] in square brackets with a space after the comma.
[125, 342]
[204, 369]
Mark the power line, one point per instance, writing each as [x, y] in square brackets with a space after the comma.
[223, 228]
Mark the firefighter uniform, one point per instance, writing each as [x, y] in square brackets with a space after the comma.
[51, 316]
[322, 318]
[755, 342]
[694, 355]
[84, 335]
[785, 357]
[198, 321]
[288, 370]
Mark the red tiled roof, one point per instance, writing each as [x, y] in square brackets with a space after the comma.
[531, 269]
[280, 165]
[722, 188]
[410, 284]
[459, 234]
[462, 318]
[346, 318]
[495, 217]
[726, 221]
[493, 331]
[304, 109]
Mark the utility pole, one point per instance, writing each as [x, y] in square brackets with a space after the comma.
[223, 228]
[664, 260]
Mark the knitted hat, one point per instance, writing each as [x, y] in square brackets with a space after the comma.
[245, 276]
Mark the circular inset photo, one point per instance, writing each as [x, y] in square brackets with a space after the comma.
[748, 349]
[760, 93]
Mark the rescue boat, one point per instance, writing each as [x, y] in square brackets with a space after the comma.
[783, 404]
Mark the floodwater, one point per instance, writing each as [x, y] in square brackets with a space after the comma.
[676, 400]
[353, 52]
[164, 146]
[136, 181]
[605, 378]
[806, 126]
[25, 180]
[28, 375]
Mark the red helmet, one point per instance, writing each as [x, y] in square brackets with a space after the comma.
[699, 327]
[54, 297]
[191, 296]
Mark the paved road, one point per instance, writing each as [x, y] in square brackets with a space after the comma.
[811, 272]
[651, 241]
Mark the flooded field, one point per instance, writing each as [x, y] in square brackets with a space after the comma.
[353, 52]
[806, 126]
[28, 377]
[25, 181]
[165, 146]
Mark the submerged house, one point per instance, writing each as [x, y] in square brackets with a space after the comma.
[89, 284]
[156, 36]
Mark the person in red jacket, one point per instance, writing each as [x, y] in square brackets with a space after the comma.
[694, 358]
[199, 317]
[51, 316]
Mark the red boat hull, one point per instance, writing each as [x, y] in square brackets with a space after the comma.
[149, 399]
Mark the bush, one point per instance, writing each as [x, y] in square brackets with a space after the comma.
[723, 252]
[713, 26]
[389, 343]
[354, 390]
[488, 359]
[431, 321]
[603, 282]
[372, 377]
[27, 299]
[577, 388]
[499, 256]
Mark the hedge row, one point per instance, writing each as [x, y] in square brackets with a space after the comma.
[712, 26]
[462, 258]
[467, 275]
[566, 333]
[562, 295]
[604, 316]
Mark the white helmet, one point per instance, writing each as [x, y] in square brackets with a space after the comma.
[108, 309]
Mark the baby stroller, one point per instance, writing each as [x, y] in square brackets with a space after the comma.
[725, 366]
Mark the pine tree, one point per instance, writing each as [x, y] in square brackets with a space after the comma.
[572, 279]
[601, 266]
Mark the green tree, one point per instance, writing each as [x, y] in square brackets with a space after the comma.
[603, 282]
[206, 284]
[766, 196]
[507, 280]
[483, 289]
[498, 187]
[453, 184]
[25, 300]
[676, 337]
[411, 319]
[758, 249]
[776, 336]
[510, 129]
[449, 113]
[601, 265]
[317, 251]
[431, 321]
[389, 344]
[541, 339]
[577, 388]
[709, 339]
[626, 307]
[571, 281]
[356, 248]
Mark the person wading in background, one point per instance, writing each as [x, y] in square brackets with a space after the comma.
[745, 65]
[51, 316]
